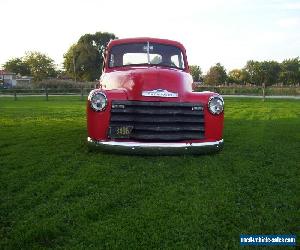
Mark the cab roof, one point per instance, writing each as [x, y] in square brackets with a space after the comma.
[144, 39]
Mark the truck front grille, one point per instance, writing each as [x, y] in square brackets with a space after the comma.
[156, 121]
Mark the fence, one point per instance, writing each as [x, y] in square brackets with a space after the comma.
[16, 92]
[251, 90]
[224, 90]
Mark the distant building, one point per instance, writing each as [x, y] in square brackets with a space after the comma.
[24, 81]
[7, 79]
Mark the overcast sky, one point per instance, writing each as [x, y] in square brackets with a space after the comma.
[230, 32]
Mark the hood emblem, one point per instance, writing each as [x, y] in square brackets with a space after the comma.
[159, 93]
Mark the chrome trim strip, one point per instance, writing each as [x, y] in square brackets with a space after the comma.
[163, 145]
[157, 148]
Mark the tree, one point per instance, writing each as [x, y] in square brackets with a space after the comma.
[84, 60]
[235, 76]
[196, 73]
[254, 71]
[34, 64]
[244, 77]
[238, 76]
[271, 71]
[266, 72]
[216, 75]
[17, 65]
[290, 71]
[40, 65]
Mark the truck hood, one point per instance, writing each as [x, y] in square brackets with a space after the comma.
[149, 83]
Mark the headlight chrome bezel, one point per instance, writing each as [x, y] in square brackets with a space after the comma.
[211, 99]
[93, 104]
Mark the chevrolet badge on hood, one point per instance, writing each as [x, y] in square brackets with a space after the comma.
[159, 93]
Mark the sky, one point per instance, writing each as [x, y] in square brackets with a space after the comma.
[230, 32]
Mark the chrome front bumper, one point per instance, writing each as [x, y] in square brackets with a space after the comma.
[146, 148]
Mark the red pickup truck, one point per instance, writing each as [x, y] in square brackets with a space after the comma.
[145, 102]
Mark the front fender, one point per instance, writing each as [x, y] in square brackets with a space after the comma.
[98, 122]
[213, 123]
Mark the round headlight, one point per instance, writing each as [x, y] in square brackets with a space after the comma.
[98, 101]
[216, 105]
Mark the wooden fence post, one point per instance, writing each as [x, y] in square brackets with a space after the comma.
[264, 91]
[15, 95]
[46, 91]
[81, 93]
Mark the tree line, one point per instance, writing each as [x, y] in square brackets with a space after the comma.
[84, 59]
[254, 72]
[82, 62]
[34, 64]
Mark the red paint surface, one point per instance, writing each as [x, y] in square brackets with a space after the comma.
[127, 83]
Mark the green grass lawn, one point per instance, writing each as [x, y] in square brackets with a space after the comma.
[56, 194]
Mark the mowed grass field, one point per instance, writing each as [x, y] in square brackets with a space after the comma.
[54, 193]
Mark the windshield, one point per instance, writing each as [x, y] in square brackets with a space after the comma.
[146, 53]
